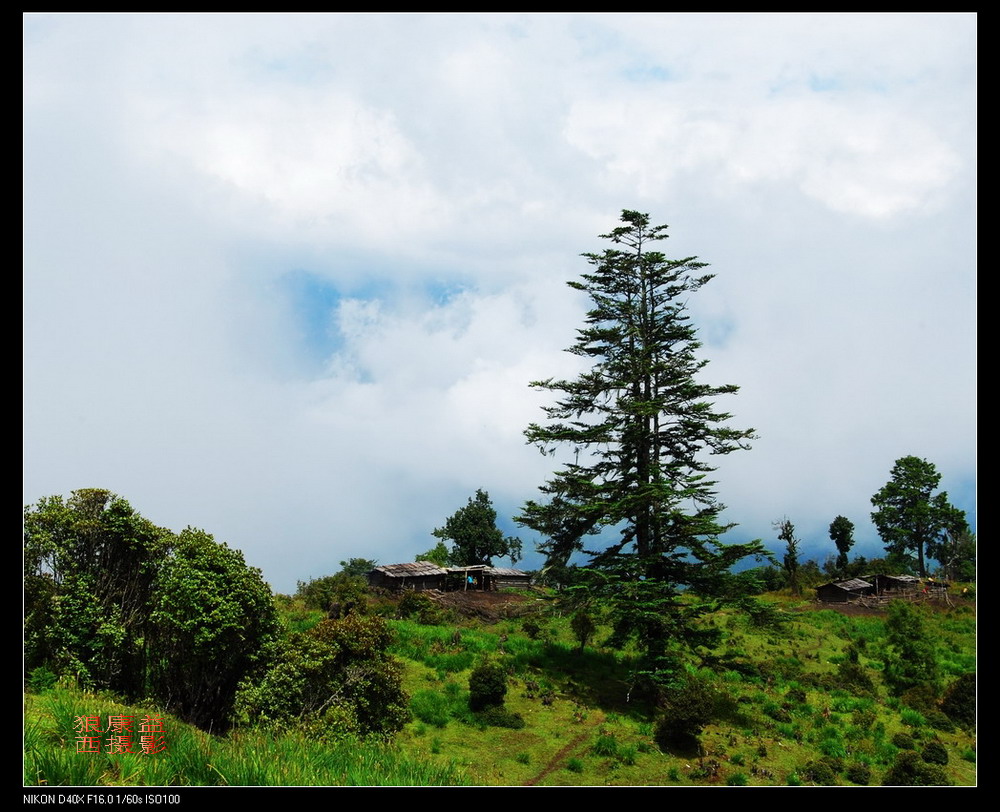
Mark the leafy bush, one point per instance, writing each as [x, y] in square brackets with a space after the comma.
[921, 698]
[959, 701]
[864, 718]
[487, 685]
[910, 658]
[939, 721]
[583, 626]
[535, 629]
[858, 773]
[336, 679]
[852, 675]
[420, 607]
[499, 716]
[41, 679]
[338, 595]
[909, 770]
[819, 772]
[903, 741]
[212, 618]
[687, 710]
[934, 753]
[796, 695]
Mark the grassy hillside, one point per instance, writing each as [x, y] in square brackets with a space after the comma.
[801, 702]
[788, 711]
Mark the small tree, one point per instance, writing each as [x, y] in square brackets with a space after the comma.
[910, 659]
[358, 567]
[438, 554]
[583, 626]
[487, 685]
[475, 536]
[909, 516]
[786, 533]
[212, 619]
[842, 534]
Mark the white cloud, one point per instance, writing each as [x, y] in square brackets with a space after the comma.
[441, 174]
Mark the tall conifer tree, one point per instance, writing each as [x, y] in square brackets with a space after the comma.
[641, 425]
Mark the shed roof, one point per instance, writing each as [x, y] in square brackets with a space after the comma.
[850, 585]
[419, 568]
[509, 572]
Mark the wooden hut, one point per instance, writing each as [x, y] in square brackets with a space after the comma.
[844, 591]
[421, 575]
[477, 576]
[510, 577]
[901, 584]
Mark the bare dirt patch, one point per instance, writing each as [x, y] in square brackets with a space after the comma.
[488, 606]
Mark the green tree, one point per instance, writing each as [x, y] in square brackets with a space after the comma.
[358, 567]
[909, 516]
[129, 607]
[475, 537]
[842, 534]
[212, 617]
[339, 594]
[639, 426]
[956, 551]
[89, 565]
[910, 661]
[438, 554]
[333, 680]
[790, 561]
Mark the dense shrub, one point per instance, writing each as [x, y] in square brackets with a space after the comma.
[583, 626]
[921, 698]
[499, 716]
[864, 718]
[934, 753]
[339, 595]
[858, 773]
[686, 710]
[535, 629]
[903, 741]
[853, 676]
[939, 721]
[819, 772]
[796, 695]
[959, 701]
[910, 658]
[909, 770]
[335, 679]
[487, 685]
[212, 616]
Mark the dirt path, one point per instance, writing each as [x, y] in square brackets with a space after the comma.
[554, 762]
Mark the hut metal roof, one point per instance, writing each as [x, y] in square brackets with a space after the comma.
[850, 585]
[509, 572]
[419, 568]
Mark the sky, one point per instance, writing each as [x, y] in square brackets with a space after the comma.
[287, 277]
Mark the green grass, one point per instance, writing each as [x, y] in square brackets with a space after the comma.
[585, 722]
[192, 757]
